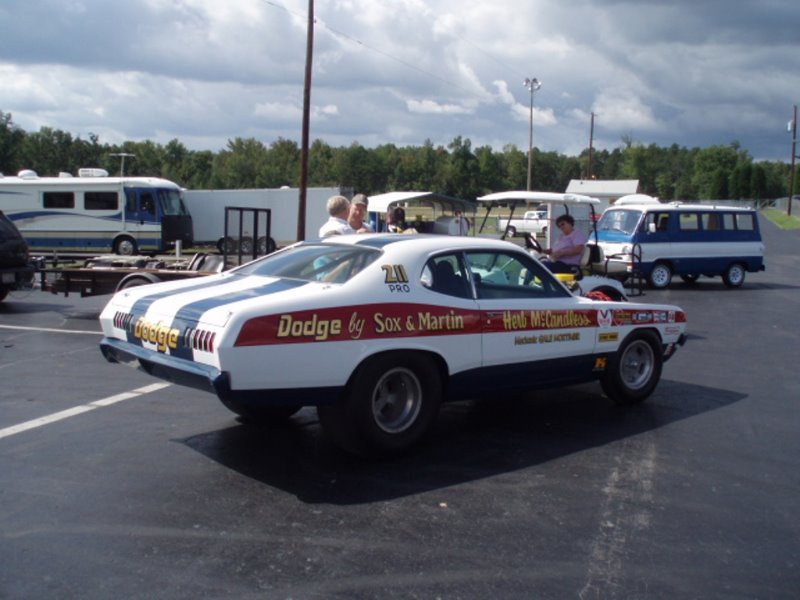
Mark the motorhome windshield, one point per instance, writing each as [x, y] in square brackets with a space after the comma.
[171, 203]
[620, 220]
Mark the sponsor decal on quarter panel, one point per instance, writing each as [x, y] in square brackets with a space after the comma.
[359, 322]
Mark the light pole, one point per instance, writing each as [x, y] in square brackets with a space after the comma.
[122, 156]
[532, 85]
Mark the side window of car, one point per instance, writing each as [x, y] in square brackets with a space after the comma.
[500, 275]
[445, 274]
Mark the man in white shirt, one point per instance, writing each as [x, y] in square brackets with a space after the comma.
[339, 211]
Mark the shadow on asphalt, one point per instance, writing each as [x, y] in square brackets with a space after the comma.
[470, 441]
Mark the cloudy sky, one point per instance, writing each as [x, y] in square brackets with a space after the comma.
[695, 73]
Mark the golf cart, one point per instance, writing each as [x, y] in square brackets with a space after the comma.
[439, 214]
[590, 278]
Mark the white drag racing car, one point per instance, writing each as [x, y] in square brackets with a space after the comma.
[377, 330]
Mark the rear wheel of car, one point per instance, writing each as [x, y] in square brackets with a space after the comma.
[511, 231]
[634, 371]
[261, 415]
[734, 276]
[660, 276]
[389, 404]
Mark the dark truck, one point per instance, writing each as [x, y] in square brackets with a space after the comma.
[16, 269]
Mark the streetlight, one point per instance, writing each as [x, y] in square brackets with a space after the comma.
[121, 156]
[532, 85]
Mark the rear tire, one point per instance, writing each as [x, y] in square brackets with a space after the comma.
[661, 276]
[734, 276]
[388, 406]
[511, 232]
[635, 369]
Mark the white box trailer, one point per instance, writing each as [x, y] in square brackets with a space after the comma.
[207, 208]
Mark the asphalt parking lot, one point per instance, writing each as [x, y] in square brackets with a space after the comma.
[113, 484]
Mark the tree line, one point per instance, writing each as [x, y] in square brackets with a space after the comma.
[673, 173]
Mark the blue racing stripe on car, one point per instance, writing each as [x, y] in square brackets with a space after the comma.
[194, 310]
[190, 314]
[140, 306]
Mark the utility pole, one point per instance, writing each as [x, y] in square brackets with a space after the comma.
[301, 204]
[591, 141]
[794, 155]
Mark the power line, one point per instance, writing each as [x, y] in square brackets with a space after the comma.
[354, 40]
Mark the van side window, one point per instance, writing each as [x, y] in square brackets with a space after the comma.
[656, 221]
[711, 221]
[688, 222]
[58, 200]
[729, 221]
[744, 222]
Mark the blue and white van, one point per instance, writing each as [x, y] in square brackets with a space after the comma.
[643, 236]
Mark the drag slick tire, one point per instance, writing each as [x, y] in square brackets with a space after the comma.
[633, 372]
[388, 405]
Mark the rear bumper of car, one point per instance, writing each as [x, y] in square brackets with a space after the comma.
[13, 278]
[163, 366]
[210, 379]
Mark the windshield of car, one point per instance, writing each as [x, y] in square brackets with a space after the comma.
[621, 220]
[332, 263]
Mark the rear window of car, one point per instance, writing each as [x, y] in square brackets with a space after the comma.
[330, 263]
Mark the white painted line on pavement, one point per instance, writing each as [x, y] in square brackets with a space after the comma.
[50, 330]
[77, 410]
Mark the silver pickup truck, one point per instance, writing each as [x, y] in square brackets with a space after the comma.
[533, 221]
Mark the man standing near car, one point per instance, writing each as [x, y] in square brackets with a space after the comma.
[339, 211]
[358, 213]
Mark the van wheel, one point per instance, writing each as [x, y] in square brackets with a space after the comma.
[734, 276]
[389, 404]
[125, 246]
[634, 371]
[660, 276]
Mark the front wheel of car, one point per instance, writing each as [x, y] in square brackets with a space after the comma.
[389, 404]
[734, 276]
[633, 373]
[660, 276]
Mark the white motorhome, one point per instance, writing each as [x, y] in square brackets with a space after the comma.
[96, 213]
